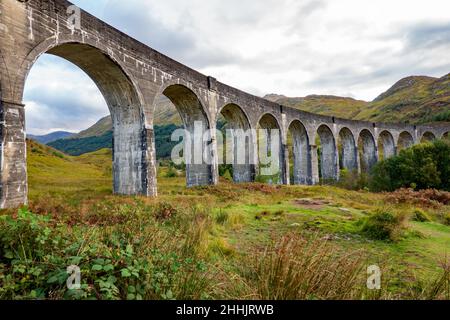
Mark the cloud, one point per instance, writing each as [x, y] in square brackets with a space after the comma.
[58, 95]
[347, 47]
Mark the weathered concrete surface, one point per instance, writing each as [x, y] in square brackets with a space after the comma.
[131, 76]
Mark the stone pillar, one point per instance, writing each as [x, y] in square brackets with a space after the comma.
[214, 158]
[285, 174]
[358, 160]
[150, 184]
[315, 179]
[336, 163]
[241, 154]
[13, 164]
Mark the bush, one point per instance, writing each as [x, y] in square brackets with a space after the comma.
[171, 172]
[426, 198]
[420, 216]
[165, 211]
[134, 260]
[447, 219]
[423, 166]
[383, 225]
[352, 180]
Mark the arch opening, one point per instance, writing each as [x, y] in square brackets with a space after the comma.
[327, 153]
[386, 145]
[446, 136]
[348, 154]
[427, 137]
[197, 159]
[405, 141]
[123, 101]
[238, 143]
[367, 151]
[299, 154]
[270, 153]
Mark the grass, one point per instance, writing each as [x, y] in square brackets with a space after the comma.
[232, 241]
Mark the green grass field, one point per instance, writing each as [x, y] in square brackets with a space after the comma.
[246, 241]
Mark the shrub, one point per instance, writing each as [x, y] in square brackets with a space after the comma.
[383, 225]
[352, 180]
[447, 219]
[420, 216]
[171, 172]
[423, 166]
[165, 211]
[135, 260]
[427, 198]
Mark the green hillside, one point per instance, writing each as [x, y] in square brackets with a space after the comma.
[412, 100]
[49, 169]
[325, 105]
[102, 127]
[78, 146]
[99, 136]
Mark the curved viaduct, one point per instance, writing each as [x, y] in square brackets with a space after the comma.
[131, 75]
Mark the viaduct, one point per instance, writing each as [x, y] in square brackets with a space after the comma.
[131, 76]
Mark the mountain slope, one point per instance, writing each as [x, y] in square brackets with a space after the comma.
[321, 104]
[49, 170]
[85, 144]
[79, 146]
[415, 99]
[98, 129]
[45, 139]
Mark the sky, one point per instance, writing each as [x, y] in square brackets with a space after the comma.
[354, 48]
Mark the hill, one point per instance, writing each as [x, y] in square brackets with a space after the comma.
[326, 105]
[415, 99]
[100, 136]
[103, 126]
[45, 139]
[49, 169]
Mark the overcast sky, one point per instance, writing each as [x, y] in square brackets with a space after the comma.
[353, 48]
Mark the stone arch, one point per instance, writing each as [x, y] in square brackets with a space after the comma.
[427, 137]
[5, 83]
[125, 103]
[328, 164]
[446, 136]
[386, 145]
[270, 164]
[367, 150]
[405, 140]
[240, 149]
[199, 170]
[348, 152]
[301, 151]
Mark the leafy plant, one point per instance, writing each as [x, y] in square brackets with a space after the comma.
[383, 224]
